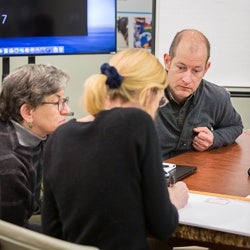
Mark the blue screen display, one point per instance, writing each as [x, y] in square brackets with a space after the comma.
[45, 27]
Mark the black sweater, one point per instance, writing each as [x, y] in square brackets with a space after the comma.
[104, 183]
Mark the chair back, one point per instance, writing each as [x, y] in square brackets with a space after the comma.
[13, 237]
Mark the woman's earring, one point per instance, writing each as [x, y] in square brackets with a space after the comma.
[30, 125]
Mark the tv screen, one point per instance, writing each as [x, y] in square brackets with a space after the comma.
[54, 27]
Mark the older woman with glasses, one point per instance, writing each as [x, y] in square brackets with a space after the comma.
[31, 107]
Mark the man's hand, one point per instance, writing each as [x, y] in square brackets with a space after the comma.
[204, 138]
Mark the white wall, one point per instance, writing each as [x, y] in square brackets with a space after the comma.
[242, 105]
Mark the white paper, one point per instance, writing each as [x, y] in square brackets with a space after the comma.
[222, 214]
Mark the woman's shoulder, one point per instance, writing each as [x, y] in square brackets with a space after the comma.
[132, 111]
[132, 115]
[130, 119]
[67, 126]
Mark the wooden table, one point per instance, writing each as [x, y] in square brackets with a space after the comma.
[222, 171]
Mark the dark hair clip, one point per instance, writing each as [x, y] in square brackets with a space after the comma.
[114, 80]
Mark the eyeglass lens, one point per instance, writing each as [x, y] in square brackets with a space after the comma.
[62, 103]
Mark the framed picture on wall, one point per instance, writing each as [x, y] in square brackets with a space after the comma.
[134, 31]
[134, 24]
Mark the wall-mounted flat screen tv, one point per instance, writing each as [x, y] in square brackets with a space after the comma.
[57, 27]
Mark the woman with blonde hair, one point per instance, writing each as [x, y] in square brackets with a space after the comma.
[104, 183]
[141, 83]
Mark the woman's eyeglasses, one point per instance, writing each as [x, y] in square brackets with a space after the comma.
[163, 102]
[60, 104]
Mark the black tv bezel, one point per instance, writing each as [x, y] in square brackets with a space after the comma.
[97, 42]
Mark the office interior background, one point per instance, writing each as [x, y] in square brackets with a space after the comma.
[79, 67]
